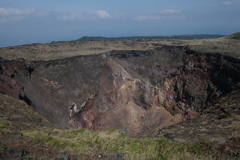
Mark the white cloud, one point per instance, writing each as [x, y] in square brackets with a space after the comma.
[231, 2]
[227, 3]
[170, 11]
[86, 15]
[183, 16]
[149, 18]
[12, 14]
[72, 16]
[15, 12]
[103, 14]
[165, 14]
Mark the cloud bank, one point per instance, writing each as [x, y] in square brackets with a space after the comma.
[14, 14]
[11, 14]
[170, 11]
[231, 2]
[103, 14]
[99, 14]
[164, 14]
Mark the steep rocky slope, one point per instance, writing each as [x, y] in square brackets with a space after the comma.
[137, 92]
[218, 122]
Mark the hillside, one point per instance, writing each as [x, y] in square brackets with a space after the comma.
[181, 37]
[235, 36]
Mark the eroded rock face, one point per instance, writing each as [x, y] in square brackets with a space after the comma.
[8, 84]
[138, 92]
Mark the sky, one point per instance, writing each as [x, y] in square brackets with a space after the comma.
[33, 21]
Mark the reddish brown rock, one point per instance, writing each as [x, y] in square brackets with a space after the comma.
[8, 85]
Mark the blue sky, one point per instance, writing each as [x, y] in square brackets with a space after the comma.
[32, 21]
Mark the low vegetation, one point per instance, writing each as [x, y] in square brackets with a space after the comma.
[4, 124]
[85, 142]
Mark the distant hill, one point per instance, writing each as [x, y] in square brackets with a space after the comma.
[182, 37]
[233, 36]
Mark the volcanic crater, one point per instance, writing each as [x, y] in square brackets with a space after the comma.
[138, 92]
[143, 92]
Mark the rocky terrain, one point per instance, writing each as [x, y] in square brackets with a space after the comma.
[183, 90]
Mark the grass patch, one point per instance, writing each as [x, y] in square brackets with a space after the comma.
[85, 142]
[4, 124]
